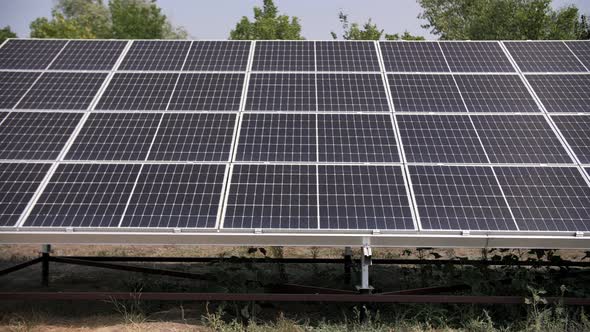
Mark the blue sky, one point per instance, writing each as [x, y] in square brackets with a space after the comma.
[213, 19]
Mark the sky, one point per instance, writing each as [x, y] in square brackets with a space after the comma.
[213, 19]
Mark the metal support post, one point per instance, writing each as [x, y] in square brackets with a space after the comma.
[347, 265]
[45, 251]
[365, 288]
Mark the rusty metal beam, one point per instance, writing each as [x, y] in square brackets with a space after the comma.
[363, 298]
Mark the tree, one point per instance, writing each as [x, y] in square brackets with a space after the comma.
[6, 33]
[93, 19]
[501, 19]
[267, 24]
[369, 31]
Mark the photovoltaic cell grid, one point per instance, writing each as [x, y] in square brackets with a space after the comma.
[544, 57]
[519, 139]
[346, 56]
[13, 86]
[85, 195]
[281, 92]
[207, 92]
[272, 196]
[115, 136]
[138, 91]
[351, 92]
[547, 198]
[217, 56]
[440, 139]
[363, 197]
[194, 137]
[66, 91]
[356, 138]
[562, 93]
[29, 54]
[495, 93]
[485, 57]
[576, 130]
[425, 93]
[582, 50]
[176, 196]
[459, 198]
[420, 57]
[284, 56]
[18, 184]
[155, 55]
[277, 137]
[36, 135]
[89, 55]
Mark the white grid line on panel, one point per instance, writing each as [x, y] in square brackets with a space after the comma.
[28, 90]
[57, 55]
[221, 204]
[317, 133]
[577, 58]
[131, 194]
[5, 41]
[225, 196]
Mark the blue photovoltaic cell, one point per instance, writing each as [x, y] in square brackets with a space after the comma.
[14, 85]
[581, 48]
[440, 139]
[406, 56]
[89, 55]
[544, 56]
[277, 137]
[284, 56]
[483, 57]
[547, 198]
[351, 92]
[207, 92]
[156, 55]
[281, 92]
[576, 131]
[363, 197]
[138, 91]
[85, 195]
[272, 196]
[18, 184]
[425, 93]
[176, 196]
[29, 54]
[346, 56]
[459, 198]
[562, 93]
[223, 55]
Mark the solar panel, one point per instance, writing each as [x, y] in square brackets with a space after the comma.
[194, 137]
[547, 198]
[543, 56]
[66, 91]
[85, 195]
[208, 92]
[562, 93]
[29, 54]
[346, 56]
[175, 196]
[18, 184]
[459, 198]
[363, 197]
[138, 91]
[13, 85]
[582, 51]
[89, 55]
[155, 55]
[351, 92]
[272, 196]
[479, 57]
[576, 130]
[277, 137]
[440, 139]
[425, 93]
[495, 93]
[36, 135]
[115, 136]
[281, 92]
[356, 138]
[519, 139]
[420, 57]
[284, 56]
[218, 56]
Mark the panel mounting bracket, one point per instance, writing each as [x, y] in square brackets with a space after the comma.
[465, 233]
[579, 234]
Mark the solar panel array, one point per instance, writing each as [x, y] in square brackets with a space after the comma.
[295, 135]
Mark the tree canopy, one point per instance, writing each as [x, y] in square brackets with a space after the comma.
[267, 24]
[502, 19]
[120, 19]
[368, 31]
[6, 33]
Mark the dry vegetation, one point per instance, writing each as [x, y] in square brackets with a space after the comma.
[535, 283]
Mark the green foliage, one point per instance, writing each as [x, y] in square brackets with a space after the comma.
[139, 19]
[268, 25]
[368, 31]
[502, 19]
[6, 33]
